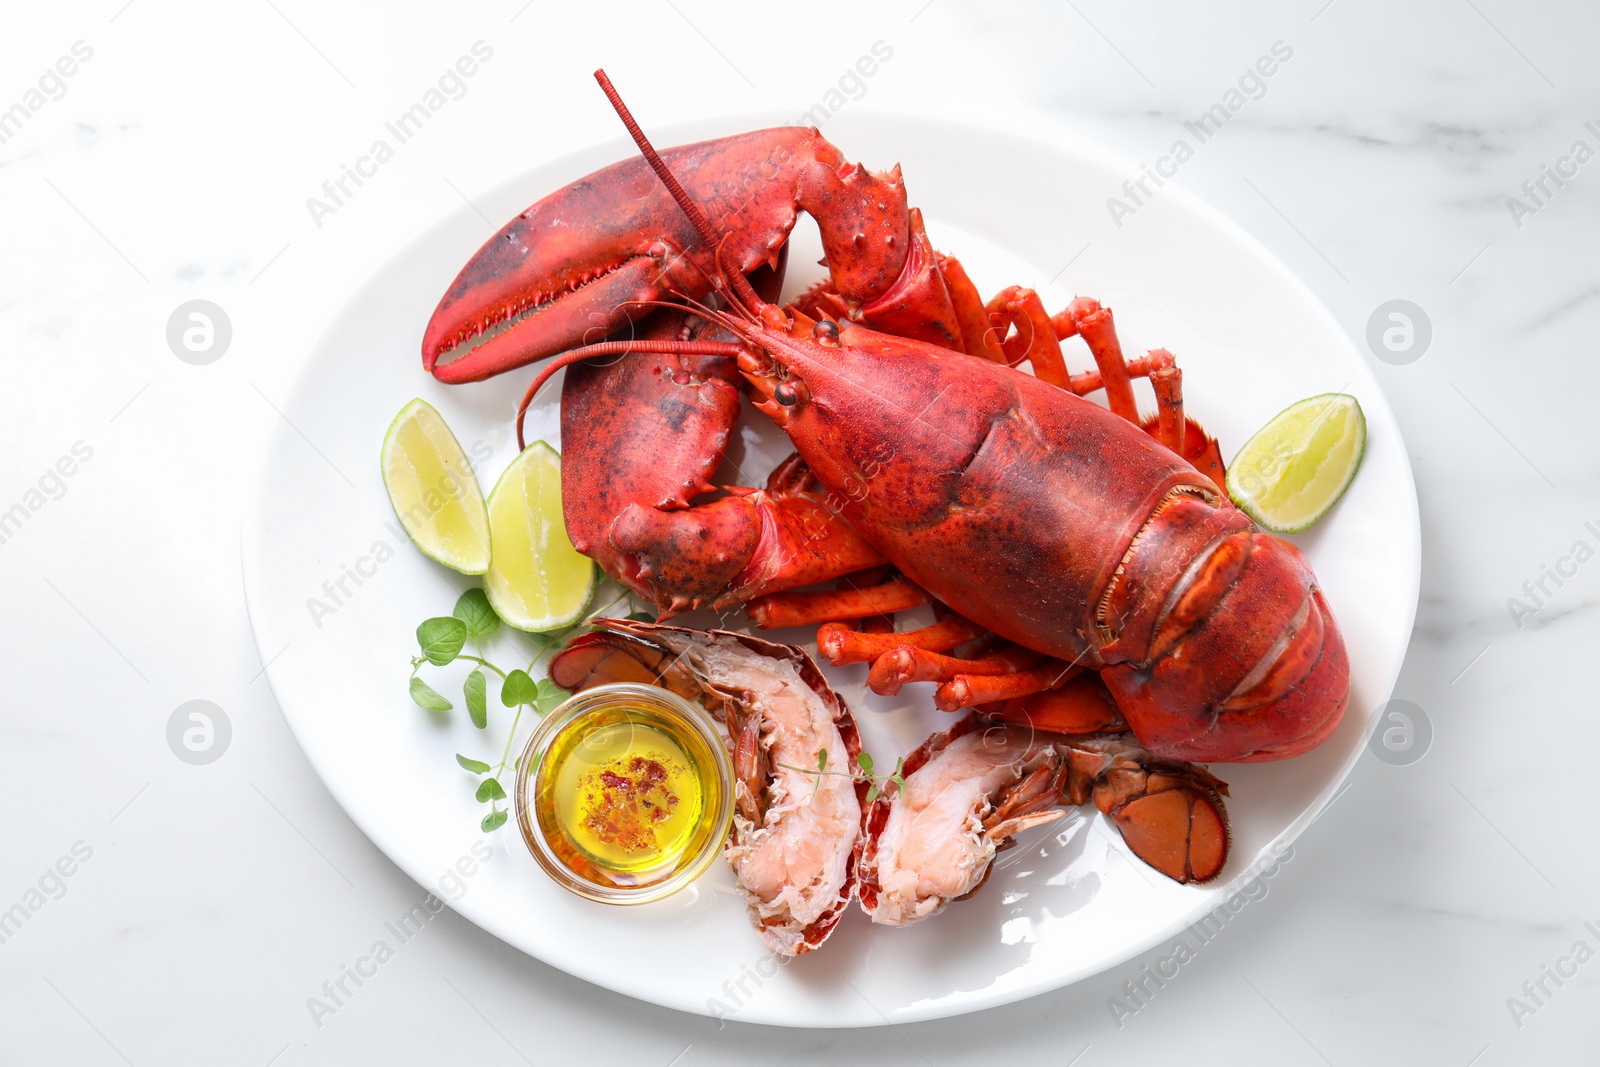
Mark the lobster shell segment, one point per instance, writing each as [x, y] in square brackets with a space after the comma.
[797, 837]
[1246, 662]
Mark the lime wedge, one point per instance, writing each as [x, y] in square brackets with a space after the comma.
[537, 580]
[1298, 465]
[433, 490]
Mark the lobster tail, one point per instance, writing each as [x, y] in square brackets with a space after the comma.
[1244, 661]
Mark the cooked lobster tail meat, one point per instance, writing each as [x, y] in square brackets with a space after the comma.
[967, 790]
[971, 789]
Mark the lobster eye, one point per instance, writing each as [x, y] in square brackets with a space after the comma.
[826, 332]
[789, 392]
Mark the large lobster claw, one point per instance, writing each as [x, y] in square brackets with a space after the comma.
[572, 268]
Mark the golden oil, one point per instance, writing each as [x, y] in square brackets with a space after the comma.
[627, 793]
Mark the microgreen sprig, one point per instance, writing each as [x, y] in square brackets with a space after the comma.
[862, 773]
[442, 640]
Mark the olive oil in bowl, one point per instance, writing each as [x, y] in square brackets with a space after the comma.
[624, 793]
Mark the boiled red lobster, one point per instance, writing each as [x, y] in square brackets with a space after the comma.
[1054, 536]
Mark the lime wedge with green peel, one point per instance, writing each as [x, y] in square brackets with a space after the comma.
[537, 580]
[1298, 465]
[433, 490]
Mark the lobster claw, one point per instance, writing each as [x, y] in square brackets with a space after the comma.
[588, 312]
[572, 268]
[541, 285]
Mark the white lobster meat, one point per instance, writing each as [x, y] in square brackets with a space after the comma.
[971, 789]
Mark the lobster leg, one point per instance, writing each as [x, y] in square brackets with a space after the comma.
[842, 645]
[1087, 319]
[877, 624]
[1167, 381]
[969, 690]
[1081, 705]
[1094, 323]
[1035, 337]
[1032, 802]
[906, 663]
[978, 334]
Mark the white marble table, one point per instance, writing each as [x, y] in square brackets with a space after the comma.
[183, 914]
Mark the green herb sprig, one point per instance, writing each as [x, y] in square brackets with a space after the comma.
[442, 640]
[862, 773]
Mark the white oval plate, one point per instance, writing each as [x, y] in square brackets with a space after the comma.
[335, 591]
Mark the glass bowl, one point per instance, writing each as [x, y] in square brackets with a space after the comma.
[624, 793]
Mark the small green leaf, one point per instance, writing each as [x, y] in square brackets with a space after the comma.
[475, 687]
[518, 689]
[872, 793]
[477, 613]
[489, 789]
[550, 696]
[427, 697]
[641, 616]
[441, 638]
[493, 821]
[476, 766]
[822, 759]
[864, 761]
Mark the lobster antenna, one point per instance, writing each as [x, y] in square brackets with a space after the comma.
[741, 286]
[619, 349]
